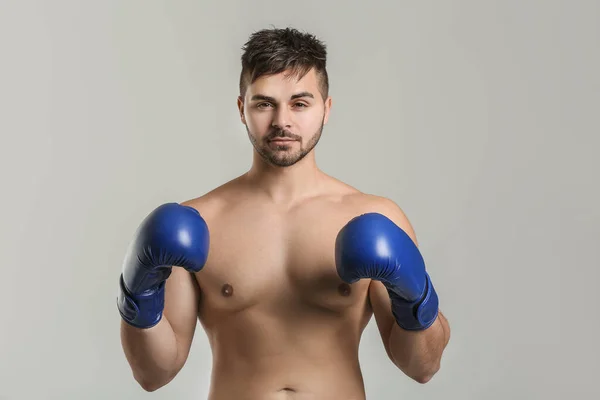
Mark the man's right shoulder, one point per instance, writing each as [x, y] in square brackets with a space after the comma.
[214, 201]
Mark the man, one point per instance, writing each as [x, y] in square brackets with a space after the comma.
[284, 265]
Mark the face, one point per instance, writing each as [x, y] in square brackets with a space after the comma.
[284, 116]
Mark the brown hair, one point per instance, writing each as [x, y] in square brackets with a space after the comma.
[272, 51]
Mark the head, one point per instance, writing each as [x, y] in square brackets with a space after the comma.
[284, 94]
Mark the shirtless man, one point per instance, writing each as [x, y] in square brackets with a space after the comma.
[284, 265]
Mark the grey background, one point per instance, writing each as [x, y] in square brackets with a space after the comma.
[479, 118]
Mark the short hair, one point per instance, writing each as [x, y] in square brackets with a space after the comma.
[272, 51]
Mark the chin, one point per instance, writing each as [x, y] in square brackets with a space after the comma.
[285, 162]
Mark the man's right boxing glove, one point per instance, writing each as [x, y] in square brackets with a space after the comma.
[171, 235]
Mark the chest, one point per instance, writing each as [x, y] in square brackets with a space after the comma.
[278, 261]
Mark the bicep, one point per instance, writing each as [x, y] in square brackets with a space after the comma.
[182, 295]
[391, 210]
[382, 310]
[378, 295]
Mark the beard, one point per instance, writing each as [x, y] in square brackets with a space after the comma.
[283, 155]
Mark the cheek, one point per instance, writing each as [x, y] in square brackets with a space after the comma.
[309, 121]
[258, 121]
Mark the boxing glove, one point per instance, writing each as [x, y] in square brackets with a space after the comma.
[171, 235]
[372, 246]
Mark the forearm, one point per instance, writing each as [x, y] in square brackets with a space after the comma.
[418, 353]
[152, 353]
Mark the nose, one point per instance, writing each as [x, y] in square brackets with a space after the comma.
[282, 118]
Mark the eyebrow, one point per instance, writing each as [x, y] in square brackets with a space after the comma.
[272, 99]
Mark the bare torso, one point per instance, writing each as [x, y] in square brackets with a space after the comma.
[280, 322]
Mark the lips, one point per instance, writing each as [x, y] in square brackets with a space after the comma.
[281, 140]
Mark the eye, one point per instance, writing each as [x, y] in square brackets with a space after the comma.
[300, 105]
[264, 105]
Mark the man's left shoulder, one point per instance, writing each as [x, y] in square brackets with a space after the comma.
[366, 202]
[389, 208]
[374, 203]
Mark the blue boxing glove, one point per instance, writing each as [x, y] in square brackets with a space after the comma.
[170, 235]
[372, 246]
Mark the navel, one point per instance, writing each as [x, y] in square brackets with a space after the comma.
[344, 289]
[227, 290]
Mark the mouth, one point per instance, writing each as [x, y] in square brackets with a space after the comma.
[281, 140]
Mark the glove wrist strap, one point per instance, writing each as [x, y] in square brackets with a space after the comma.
[415, 315]
[141, 310]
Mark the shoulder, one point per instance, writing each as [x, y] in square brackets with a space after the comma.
[367, 203]
[214, 202]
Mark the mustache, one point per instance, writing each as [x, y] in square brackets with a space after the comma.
[282, 133]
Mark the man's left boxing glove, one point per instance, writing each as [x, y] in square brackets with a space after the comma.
[372, 246]
[171, 235]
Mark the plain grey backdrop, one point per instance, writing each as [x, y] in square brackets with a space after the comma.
[479, 118]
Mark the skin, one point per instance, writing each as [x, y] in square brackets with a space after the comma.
[280, 322]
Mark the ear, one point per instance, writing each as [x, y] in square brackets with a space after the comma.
[240, 104]
[327, 109]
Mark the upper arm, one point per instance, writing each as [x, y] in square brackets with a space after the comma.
[378, 295]
[391, 210]
[182, 295]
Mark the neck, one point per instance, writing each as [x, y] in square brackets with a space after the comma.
[286, 184]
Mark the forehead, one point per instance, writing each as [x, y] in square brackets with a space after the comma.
[285, 83]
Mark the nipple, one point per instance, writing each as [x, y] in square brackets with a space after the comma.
[344, 289]
[227, 290]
